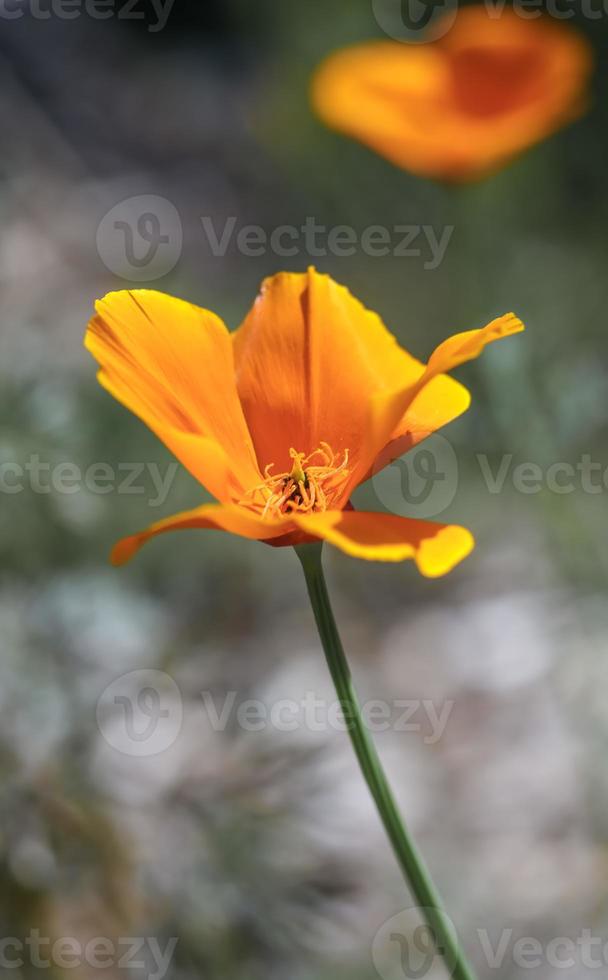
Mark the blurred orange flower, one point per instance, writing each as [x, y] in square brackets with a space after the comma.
[460, 106]
[284, 418]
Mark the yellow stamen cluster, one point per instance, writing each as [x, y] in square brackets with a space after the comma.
[313, 483]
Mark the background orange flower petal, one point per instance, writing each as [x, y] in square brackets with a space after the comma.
[171, 363]
[461, 105]
[436, 548]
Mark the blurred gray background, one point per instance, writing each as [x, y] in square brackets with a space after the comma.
[255, 846]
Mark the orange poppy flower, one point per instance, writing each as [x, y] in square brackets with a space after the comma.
[282, 419]
[460, 106]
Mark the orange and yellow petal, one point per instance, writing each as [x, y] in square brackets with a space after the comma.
[400, 419]
[436, 548]
[203, 457]
[309, 357]
[490, 85]
[171, 363]
[213, 517]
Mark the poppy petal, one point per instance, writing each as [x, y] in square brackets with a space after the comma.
[218, 517]
[436, 548]
[309, 356]
[171, 363]
[399, 419]
[203, 457]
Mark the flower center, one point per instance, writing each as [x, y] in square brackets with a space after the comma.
[314, 483]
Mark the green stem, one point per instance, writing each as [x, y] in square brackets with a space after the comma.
[410, 861]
